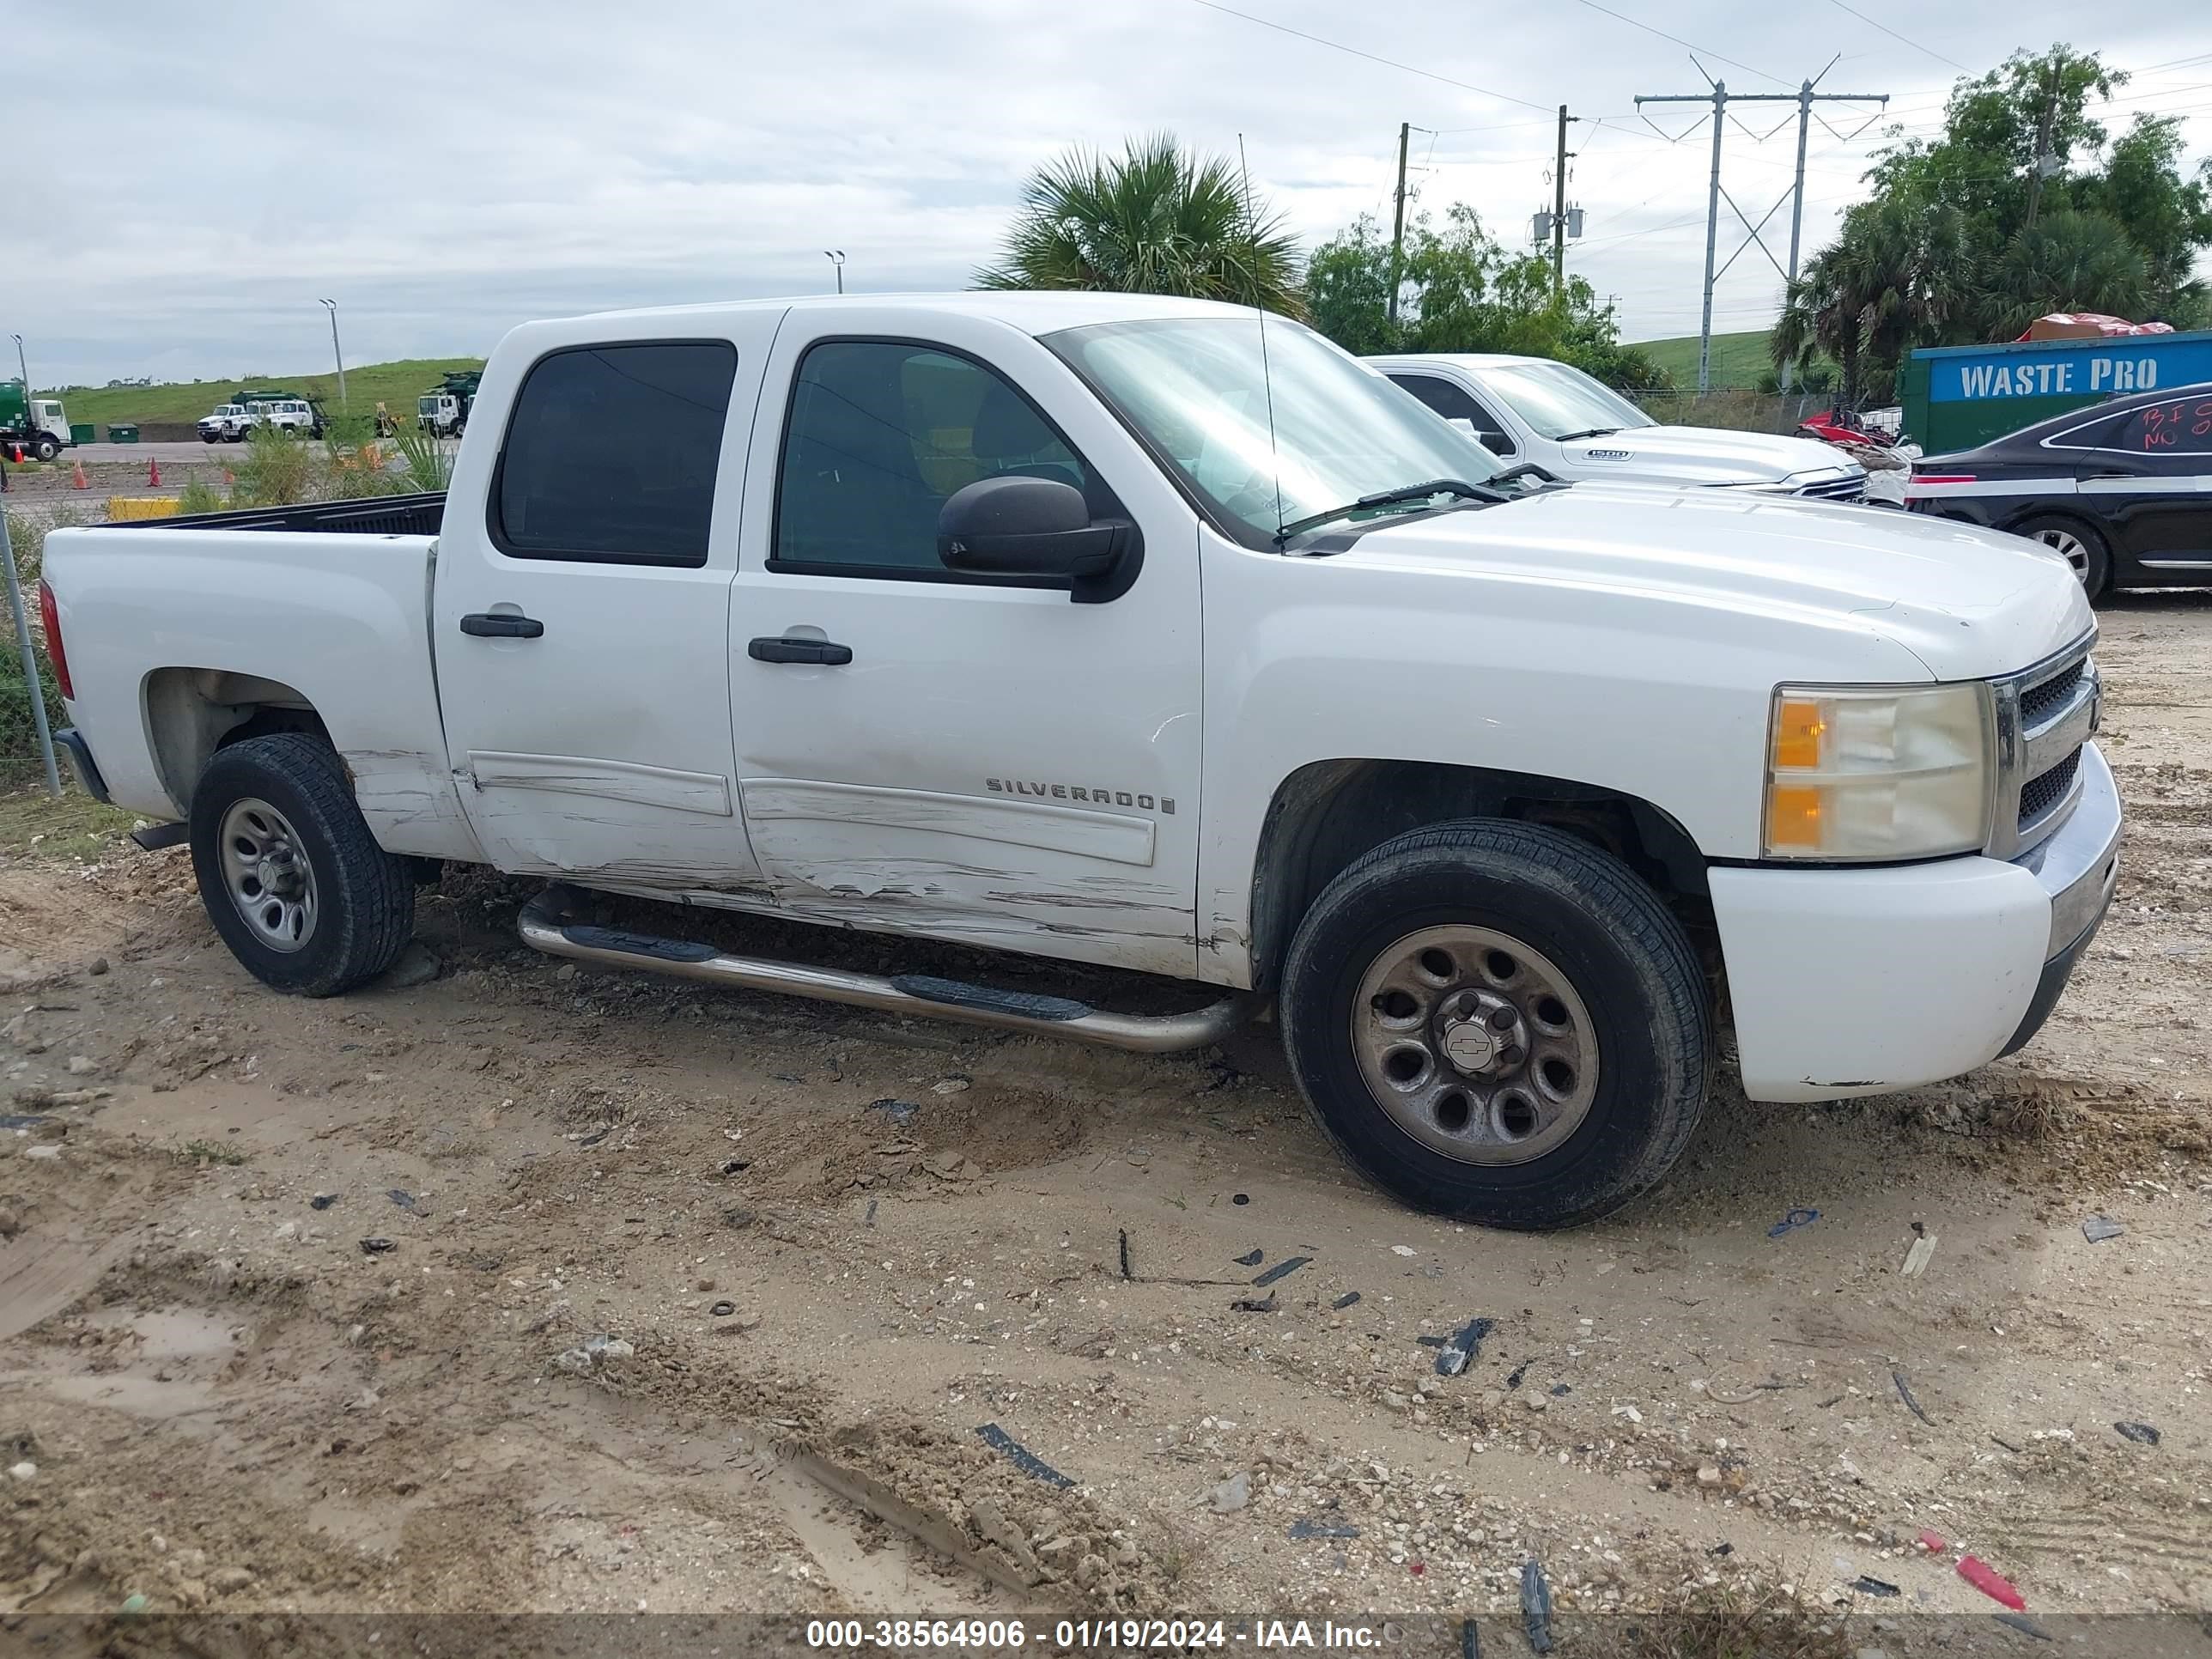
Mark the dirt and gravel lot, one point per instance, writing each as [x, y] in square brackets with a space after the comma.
[526, 1288]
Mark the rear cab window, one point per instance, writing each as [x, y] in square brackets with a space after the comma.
[611, 453]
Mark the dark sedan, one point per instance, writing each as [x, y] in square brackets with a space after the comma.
[2123, 488]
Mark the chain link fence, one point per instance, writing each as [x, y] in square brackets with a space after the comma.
[19, 735]
[1743, 410]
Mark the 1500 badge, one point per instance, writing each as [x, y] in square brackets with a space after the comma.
[1610, 454]
[1089, 797]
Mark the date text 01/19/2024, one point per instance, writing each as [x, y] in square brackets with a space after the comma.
[1085, 1635]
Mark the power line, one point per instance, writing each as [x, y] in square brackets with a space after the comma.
[1690, 45]
[1388, 63]
[1894, 35]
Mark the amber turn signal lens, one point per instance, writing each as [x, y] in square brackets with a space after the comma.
[1793, 817]
[1798, 727]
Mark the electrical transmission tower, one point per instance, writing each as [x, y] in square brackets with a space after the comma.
[1720, 98]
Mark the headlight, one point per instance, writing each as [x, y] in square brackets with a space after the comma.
[1901, 773]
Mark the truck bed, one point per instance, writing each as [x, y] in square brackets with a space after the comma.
[378, 515]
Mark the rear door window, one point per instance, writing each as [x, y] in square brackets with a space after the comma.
[611, 453]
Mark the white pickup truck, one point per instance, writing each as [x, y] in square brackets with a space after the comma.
[1532, 409]
[1138, 632]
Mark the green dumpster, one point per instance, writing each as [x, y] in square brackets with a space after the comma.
[82, 432]
[122, 435]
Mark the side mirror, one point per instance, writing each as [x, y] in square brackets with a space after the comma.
[1022, 526]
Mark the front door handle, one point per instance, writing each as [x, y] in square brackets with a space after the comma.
[781, 647]
[501, 625]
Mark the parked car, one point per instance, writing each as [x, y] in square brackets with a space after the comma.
[1575, 427]
[885, 614]
[2123, 490]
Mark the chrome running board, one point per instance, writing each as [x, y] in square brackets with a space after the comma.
[543, 927]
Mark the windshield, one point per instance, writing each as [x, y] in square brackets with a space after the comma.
[1560, 401]
[1194, 389]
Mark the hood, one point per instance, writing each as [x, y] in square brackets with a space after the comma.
[1709, 455]
[1967, 602]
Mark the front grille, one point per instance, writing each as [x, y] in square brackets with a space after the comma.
[1838, 489]
[2039, 794]
[2039, 700]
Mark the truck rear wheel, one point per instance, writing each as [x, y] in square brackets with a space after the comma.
[1500, 1024]
[291, 878]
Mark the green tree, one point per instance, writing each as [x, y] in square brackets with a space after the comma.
[1898, 276]
[1459, 291]
[1965, 238]
[1348, 289]
[1157, 219]
[2066, 261]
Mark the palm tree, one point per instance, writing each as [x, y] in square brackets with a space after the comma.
[2067, 262]
[1895, 278]
[1157, 219]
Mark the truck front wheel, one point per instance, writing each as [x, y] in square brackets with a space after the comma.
[1500, 1024]
[291, 878]
[46, 446]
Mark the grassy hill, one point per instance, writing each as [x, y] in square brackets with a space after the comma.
[395, 385]
[1739, 360]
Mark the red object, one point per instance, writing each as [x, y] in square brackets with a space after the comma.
[2088, 325]
[52, 618]
[1942, 478]
[1976, 1572]
[1929, 1540]
[1419, 1567]
[78, 480]
[154, 473]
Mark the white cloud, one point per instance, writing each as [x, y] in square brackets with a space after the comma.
[446, 170]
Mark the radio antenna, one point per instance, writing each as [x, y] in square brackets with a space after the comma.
[1266, 380]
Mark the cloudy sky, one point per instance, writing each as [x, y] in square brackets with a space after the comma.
[446, 170]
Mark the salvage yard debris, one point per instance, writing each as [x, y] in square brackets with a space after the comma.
[1022, 1458]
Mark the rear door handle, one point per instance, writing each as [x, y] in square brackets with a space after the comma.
[501, 625]
[781, 647]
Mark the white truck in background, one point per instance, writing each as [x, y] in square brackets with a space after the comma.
[1537, 411]
[1512, 796]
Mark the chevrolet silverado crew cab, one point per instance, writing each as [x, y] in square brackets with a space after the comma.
[1152, 634]
[1574, 426]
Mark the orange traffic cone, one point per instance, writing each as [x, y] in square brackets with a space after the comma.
[154, 473]
[78, 480]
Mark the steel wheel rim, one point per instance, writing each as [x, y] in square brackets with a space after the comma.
[1475, 1044]
[2070, 546]
[269, 881]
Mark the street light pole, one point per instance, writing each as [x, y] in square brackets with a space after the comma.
[332, 306]
[22, 367]
[836, 256]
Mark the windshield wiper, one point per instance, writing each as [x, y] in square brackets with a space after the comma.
[1589, 432]
[1405, 495]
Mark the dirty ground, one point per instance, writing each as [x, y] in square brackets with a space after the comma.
[524, 1287]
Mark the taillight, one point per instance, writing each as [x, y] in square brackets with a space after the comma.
[51, 617]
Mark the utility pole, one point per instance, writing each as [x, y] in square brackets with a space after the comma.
[1720, 98]
[836, 256]
[2043, 158]
[1559, 212]
[332, 305]
[1398, 219]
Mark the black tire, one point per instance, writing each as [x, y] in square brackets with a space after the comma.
[207, 437]
[1623, 955]
[2095, 570]
[363, 896]
[46, 447]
